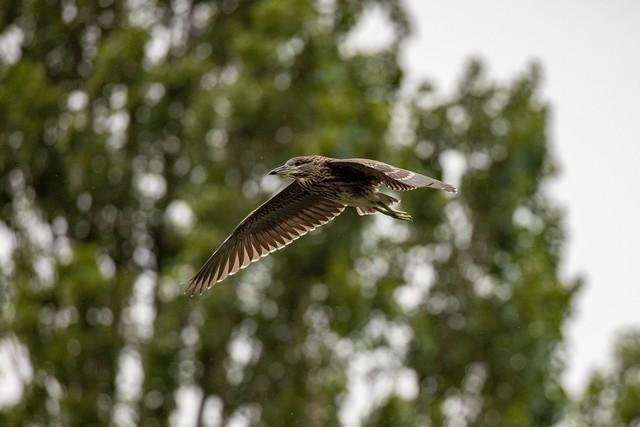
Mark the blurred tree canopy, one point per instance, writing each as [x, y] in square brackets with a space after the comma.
[611, 399]
[135, 134]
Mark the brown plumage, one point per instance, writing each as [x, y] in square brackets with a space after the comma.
[322, 188]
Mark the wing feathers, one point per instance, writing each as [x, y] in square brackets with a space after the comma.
[264, 244]
[285, 217]
[393, 177]
[246, 259]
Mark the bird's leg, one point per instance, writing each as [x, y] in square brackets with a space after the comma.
[382, 208]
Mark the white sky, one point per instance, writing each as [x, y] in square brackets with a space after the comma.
[590, 53]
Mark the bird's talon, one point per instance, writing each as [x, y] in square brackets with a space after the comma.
[403, 216]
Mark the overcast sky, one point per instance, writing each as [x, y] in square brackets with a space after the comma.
[590, 53]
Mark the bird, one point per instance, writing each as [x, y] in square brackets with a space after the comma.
[321, 189]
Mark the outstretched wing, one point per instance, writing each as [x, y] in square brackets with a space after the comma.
[391, 176]
[285, 217]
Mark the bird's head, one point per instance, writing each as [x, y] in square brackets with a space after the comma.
[296, 167]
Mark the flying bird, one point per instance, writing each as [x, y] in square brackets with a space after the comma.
[322, 188]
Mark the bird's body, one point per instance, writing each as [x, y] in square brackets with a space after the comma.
[343, 185]
[322, 188]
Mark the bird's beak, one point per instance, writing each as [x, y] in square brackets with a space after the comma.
[283, 170]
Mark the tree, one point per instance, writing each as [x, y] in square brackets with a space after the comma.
[611, 398]
[135, 135]
[488, 332]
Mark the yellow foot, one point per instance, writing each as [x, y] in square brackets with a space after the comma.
[402, 215]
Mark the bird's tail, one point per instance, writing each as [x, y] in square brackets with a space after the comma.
[384, 199]
[365, 211]
[387, 199]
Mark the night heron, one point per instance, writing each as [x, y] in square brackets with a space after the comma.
[322, 188]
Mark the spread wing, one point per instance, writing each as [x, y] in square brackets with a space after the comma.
[391, 176]
[285, 217]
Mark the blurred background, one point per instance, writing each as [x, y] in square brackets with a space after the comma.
[134, 135]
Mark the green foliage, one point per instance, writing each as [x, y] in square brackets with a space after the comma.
[611, 399]
[110, 145]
